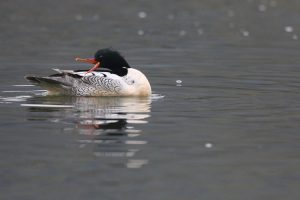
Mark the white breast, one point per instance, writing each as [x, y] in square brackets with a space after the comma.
[136, 84]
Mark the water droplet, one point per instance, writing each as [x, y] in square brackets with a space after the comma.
[245, 33]
[179, 83]
[262, 8]
[142, 14]
[196, 24]
[78, 17]
[171, 17]
[295, 37]
[182, 33]
[273, 3]
[231, 13]
[200, 31]
[95, 17]
[140, 32]
[231, 25]
[289, 29]
[208, 145]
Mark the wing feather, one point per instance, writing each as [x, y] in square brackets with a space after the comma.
[79, 84]
[104, 83]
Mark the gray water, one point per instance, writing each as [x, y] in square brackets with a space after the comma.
[222, 123]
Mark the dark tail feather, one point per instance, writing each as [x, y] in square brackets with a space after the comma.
[53, 86]
[41, 80]
[32, 79]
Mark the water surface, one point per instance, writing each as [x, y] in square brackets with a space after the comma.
[223, 122]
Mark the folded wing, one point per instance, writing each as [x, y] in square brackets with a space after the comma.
[69, 82]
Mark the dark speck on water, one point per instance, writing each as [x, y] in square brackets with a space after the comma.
[222, 123]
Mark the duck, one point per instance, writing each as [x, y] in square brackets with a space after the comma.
[111, 75]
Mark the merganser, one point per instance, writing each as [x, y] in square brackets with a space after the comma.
[115, 78]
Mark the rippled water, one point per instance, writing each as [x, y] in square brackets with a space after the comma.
[223, 122]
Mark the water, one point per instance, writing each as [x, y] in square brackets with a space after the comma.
[223, 122]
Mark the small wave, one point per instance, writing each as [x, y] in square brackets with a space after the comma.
[155, 97]
[47, 105]
[15, 99]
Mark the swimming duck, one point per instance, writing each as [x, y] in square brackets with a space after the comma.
[111, 75]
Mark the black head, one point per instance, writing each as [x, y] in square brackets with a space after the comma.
[112, 60]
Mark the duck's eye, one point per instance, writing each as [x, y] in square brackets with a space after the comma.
[130, 82]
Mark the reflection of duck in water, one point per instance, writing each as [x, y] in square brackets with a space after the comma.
[105, 125]
[115, 78]
[115, 125]
[110, 114]
[109, 124]
[92, 112]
